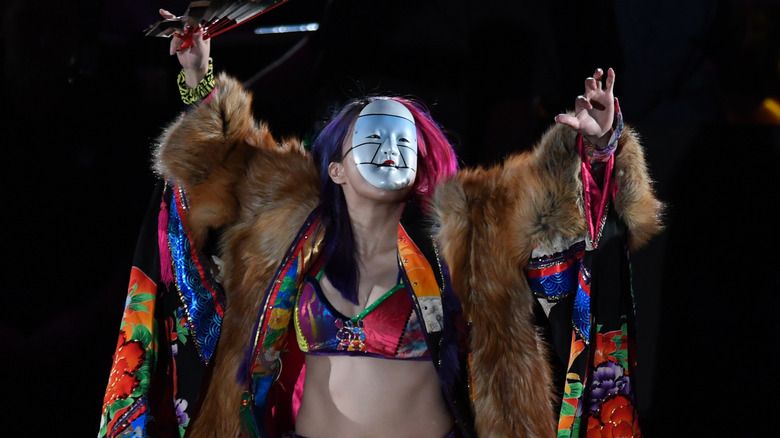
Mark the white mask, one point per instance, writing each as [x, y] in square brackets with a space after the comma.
[384, 145]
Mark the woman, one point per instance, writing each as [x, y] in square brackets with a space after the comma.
[404, 284]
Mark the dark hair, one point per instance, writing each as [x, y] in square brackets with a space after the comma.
[436, 160]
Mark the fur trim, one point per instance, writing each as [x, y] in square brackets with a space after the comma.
[261, 191]
[635, 201]
[491, 219]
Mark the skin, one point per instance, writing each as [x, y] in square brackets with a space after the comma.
[594, 110]
[347, 396]
[195, 59]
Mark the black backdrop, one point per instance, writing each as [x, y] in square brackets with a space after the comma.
[85, 94]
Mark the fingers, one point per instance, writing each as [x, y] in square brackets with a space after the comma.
[598, 77]
[582, 102]
[610, 82]
[176, 42]
[598, 83]
[198, 40]
[591, 84]
[581, 107]
[568, 120]
[166, 15]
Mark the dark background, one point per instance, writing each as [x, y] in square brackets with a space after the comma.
[85, 94]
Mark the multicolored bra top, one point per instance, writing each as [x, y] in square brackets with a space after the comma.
[388, 328]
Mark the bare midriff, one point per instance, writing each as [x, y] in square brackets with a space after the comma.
[347, 396]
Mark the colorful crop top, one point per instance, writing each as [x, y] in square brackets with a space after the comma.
[388, 328]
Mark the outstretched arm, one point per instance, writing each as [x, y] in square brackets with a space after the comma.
[597, 118]
[492, 220]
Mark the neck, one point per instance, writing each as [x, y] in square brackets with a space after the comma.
[375, 227]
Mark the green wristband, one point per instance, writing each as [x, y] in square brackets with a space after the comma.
[205, 86]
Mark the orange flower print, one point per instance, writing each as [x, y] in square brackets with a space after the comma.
[127, 360]
[577, 346]
[606, 345]
[617, 419]
[139, 307]
[141, 292]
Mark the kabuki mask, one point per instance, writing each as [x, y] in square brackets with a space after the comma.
[384, 145]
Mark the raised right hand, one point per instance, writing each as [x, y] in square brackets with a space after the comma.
[595, 109]
[194, 59]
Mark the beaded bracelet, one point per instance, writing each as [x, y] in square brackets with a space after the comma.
[205, 86]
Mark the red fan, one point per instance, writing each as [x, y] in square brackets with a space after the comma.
[215, 17]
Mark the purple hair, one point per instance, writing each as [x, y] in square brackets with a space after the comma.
[436, 161]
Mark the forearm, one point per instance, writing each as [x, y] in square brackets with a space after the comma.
[196, 85]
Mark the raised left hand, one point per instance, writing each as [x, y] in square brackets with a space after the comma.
[594, 110]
